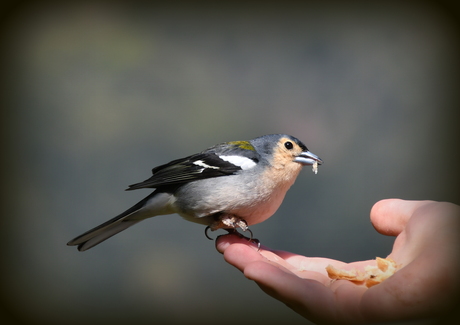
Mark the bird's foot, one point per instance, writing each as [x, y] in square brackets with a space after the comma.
[231, 223]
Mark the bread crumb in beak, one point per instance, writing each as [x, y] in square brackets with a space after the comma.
[315, 167]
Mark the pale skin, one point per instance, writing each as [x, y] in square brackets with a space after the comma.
[427, 248]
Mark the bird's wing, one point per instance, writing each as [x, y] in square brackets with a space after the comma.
[200, 166]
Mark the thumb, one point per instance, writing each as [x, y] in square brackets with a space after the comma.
[389, 217]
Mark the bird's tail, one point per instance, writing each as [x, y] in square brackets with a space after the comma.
[113, 226]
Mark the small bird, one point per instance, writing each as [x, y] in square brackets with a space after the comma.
[230, 185]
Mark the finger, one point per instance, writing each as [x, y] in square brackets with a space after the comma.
[287, 287]
[390, 216]
[308, 297]
[224, 241]
[305, 267]
[241, 255]
[239, 252]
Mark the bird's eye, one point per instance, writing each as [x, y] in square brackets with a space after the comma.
[288, 145]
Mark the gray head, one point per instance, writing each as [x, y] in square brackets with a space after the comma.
[275, 145]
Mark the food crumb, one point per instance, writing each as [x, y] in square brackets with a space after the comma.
[315, 167]
[385, 268]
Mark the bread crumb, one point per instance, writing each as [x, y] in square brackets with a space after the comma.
[315, 167]
[371, 276]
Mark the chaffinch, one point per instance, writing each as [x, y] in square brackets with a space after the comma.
[230, 185]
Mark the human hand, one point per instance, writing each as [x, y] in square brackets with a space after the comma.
[427, 248]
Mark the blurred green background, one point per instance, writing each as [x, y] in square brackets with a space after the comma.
[97, 93]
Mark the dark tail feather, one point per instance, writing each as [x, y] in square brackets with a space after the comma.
[109, 228]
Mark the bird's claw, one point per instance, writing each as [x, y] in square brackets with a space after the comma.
[206, 233]
[241, 224]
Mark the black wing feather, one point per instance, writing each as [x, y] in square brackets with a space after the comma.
[185, 170]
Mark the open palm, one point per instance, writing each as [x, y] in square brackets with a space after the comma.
[427, 248]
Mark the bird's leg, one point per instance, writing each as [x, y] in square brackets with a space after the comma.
[231, 223]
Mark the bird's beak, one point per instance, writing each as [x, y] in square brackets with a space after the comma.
[307, 158]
